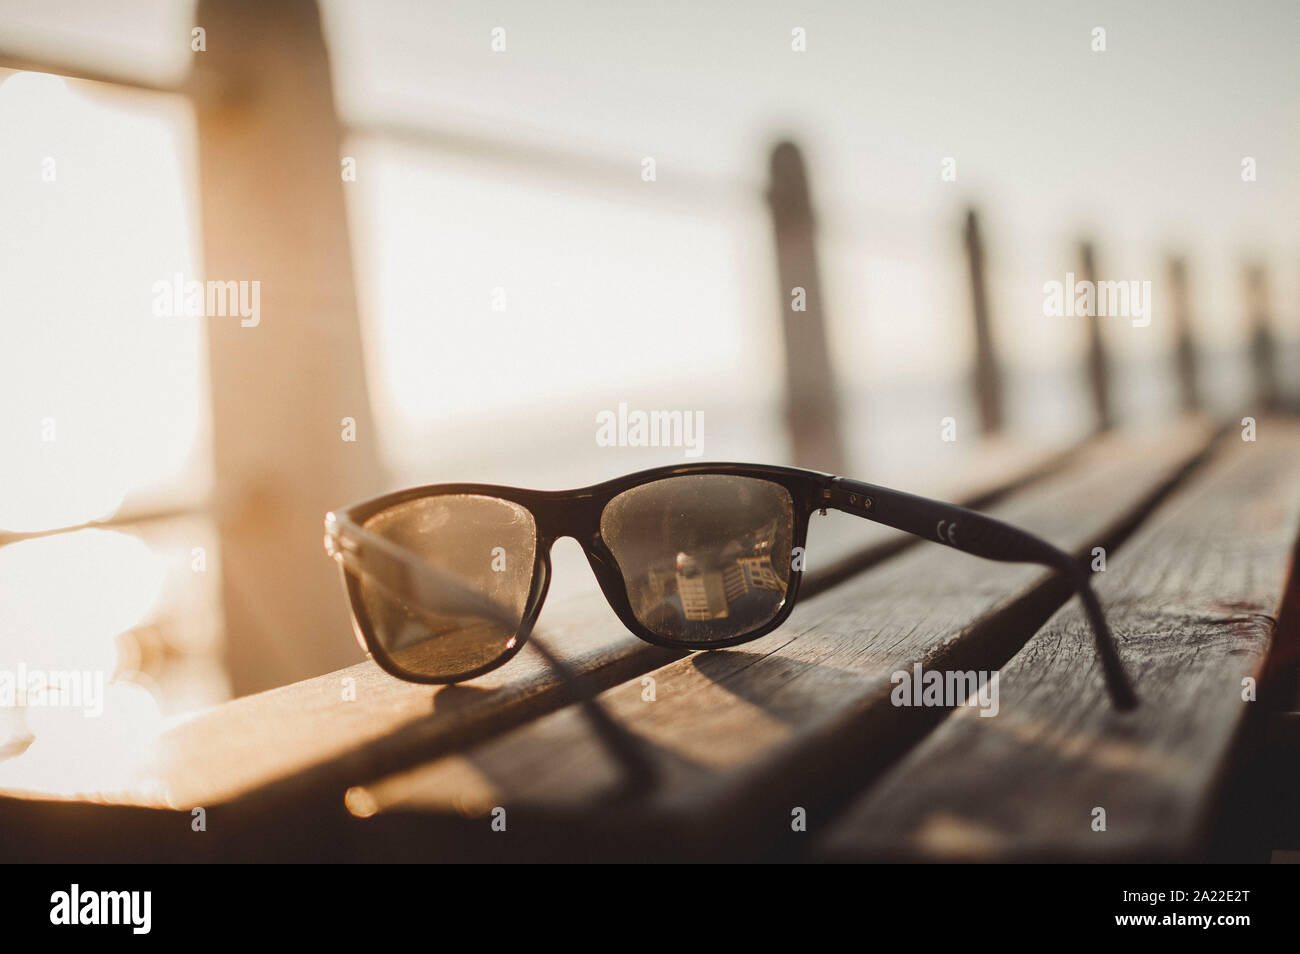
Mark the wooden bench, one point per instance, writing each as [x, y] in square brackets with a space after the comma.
[615, 749]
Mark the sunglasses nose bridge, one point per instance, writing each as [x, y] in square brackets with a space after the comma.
[577, 516]
[574, 515]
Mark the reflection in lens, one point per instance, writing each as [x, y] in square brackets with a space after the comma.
[484, 544]
[705, 557]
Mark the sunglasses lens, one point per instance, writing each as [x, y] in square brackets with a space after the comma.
[482, 546]
[704, 557]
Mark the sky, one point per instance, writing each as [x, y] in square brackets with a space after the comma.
[1139, 146]
[664, 293]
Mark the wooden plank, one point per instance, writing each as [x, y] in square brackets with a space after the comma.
[1192, 599]
[290, 752]
[309, 729]
[312, 734]
[798, 718]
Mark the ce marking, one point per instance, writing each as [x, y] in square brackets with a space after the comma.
[950, 537]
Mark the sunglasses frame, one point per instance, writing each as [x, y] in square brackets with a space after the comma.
[577, 514]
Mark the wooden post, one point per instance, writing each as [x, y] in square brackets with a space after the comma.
[1098, 366]
[812, 406]
[1184, 346]
[987, 379]
[273, 212]
[1263, 351]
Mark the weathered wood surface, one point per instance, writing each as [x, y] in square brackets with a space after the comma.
[736, 738]
[1193, 600]
[309, 729]
[278, 747]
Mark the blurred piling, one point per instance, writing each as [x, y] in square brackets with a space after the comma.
[273, 213]
[987, 374]
[812, 404]
[1097, 363]
[1263, 348]
[1180, 306]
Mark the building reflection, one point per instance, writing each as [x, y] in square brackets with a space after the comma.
[739, 579]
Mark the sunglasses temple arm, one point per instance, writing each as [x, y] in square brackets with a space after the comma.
[407, 578]
[983, 536]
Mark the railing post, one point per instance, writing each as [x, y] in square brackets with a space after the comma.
[987, 376]
[273, 212]
[1098, 365]
[1184, 345]
[812, 405]
[1263, 351]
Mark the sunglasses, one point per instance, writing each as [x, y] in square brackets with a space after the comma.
[445, 582]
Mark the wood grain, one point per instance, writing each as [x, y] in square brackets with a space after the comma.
[308, 736]
[1193, 599]
[737, 738]
[289, 753]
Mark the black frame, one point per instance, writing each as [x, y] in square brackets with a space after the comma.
[577, 513]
